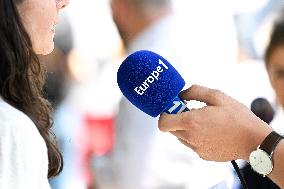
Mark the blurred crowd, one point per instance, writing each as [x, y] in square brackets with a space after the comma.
[107, 143]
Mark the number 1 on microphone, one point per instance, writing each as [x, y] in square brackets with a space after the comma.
[177, 106]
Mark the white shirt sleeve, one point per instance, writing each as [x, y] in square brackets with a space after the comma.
[23, 152]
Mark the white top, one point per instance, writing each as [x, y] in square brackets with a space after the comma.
[23, 152]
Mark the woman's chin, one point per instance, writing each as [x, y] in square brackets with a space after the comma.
[46, 50]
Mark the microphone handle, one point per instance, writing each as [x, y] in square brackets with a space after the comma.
[186, 110]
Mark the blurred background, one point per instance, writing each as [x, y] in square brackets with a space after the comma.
[106, 142]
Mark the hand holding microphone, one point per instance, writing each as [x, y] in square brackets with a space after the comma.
[221, 131]
[224, 130]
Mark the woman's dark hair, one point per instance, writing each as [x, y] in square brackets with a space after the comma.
[22, 78]
[276, 38]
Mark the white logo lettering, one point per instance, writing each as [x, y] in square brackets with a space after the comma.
[151, 79]
[139, 91]
[161, 62]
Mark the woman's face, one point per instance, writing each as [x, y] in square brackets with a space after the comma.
[39, 18]
[275, 67]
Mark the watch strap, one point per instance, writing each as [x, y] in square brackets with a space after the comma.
[270, 142]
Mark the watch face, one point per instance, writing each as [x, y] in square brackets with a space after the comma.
[261, 162]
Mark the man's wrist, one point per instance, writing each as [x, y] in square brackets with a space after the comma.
[255, 139]
[277, 151]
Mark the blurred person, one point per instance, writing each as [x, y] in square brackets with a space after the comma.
[141, 157]
[274, 60]
[261, 107]
[28, 151]
[249, 22]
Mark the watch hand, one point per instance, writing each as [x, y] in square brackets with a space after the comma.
[258, 161]
[257, 164]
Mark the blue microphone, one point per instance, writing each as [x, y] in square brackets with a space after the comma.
[151, 83]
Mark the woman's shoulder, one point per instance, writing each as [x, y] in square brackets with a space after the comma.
[15, 121]
[24, 159]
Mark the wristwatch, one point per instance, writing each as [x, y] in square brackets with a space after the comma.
[261, 159]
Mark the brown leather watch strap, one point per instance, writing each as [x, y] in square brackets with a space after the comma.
[270, 142]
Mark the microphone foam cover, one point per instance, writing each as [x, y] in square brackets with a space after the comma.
[149, 81]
